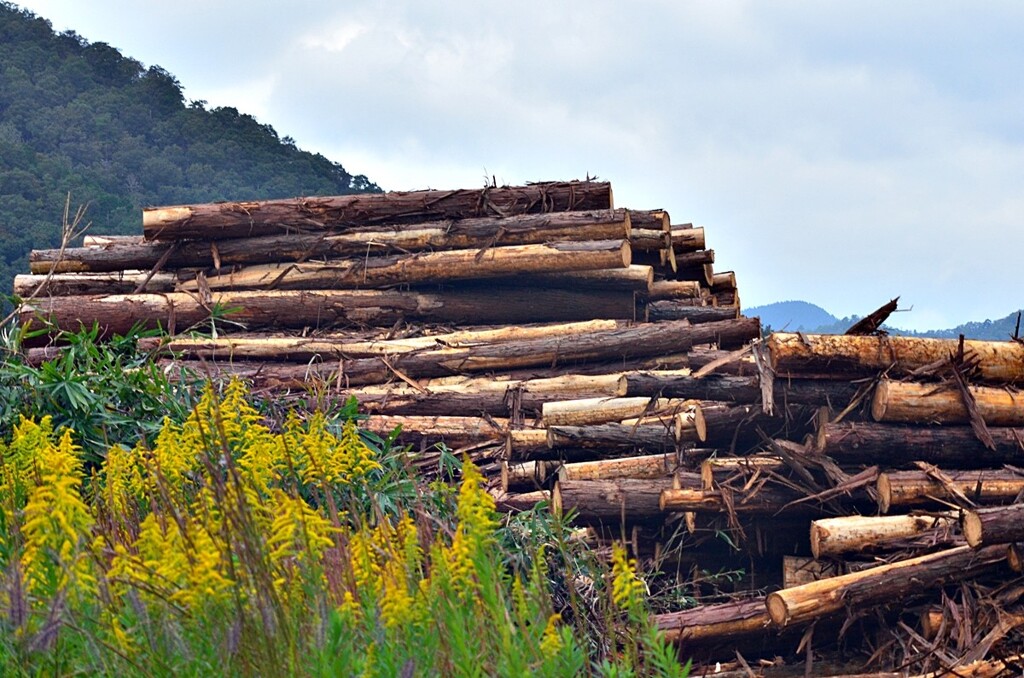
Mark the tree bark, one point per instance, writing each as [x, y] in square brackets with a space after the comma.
[646, 466]
[633, 278]
[609, 499]
[651, 437]
[885, 583]
[582, 412]
[314, 214]
[76, 284]
[681, 384]
[116, 314]
[670, 309]
[763, 500]
[857, 534]
[719, 469]
[724, 282]
[843, 356]
[995, 525]
[675, 289]
[485, 232]
[799, 570]
[715, 623]
[524, 501]
[527, 475]
[901, 444]
[687, 239]
[455, 432]
[897, 401]
[917, 488]
[423, 267]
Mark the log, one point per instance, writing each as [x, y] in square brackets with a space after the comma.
[422, 267]
[674, 289]
[117, 314]
[657, 220]
[723, 282]
[652, 437]
[843, 356]
[97, 240]
[715, 623]
[338, 213]
[648, 239]
[634, 278]
[857, 534]
[670, 309]
[517, 503]
[681, 384]
[715, 471]
[901, 444]
[886, 583]
[455, 432]
[799, 570]
[525, 475]
[73, 284]
[995, 525]
[725, 425]
[917, 488]
[604, 410]
[763, 500]
[702, 273]
[646, 466]
[485, 232]
[686, 238]
[525, 444]
[898, 401]
[623, 499]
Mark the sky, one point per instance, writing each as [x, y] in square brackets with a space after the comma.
[842, 153]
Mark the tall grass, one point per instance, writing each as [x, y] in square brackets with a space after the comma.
[218, 543]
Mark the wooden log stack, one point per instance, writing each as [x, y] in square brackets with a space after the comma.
[590, 358]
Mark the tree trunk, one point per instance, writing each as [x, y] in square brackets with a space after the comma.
[648, 239]
[843, 356]
[605, 410]
[651, 437]
[609, 499]
[670, 309]
[917, 488]
[656, 220]
[898, 401]
[996, 525]
[681, 384]
[117, 314]
[715, 623]
[423, 267]
[857, 534]
[675, 289]
[901, 444]
[455, 432]
[687, 239]
[339, 213]
[885, 583]
[478, 233]
[647, 466]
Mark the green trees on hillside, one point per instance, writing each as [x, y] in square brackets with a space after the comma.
[80, 117]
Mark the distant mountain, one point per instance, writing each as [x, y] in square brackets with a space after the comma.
[792, 316]
[801, 316]
[80, 117]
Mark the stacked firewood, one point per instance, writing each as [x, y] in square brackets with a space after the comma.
[786, 494]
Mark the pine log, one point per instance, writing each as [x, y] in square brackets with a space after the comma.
[917, 488]
[671, 309]
[675, 289]
[455, 432]
[1015, 557]
[995, 525]
[723, 282]
[890, 583]
[646, 466]
[477, 233]
[634, 278]
[737, 365]
[519, 502]
[371, 272]
[702, 273]
[681, 384]
[857, 534]
[723, 424]
[648, 239]
[687, 239]
[799, 570]
[585, 411]
[901, 444]
[842, 356]
[715, 471]
[898, 401]
[526, 444]
[96, 240]
[657, 220]
[74, 284]
[623, 499]
[525, 475]
[652, 437]
[315, 214]
[117, 314]
[728, 299]
[759, 500]
[715, 623]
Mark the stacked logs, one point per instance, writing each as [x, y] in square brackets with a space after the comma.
[796, 490]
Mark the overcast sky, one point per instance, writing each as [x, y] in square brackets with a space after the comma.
[840, 153]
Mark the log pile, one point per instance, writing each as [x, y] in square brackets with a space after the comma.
[798, 491]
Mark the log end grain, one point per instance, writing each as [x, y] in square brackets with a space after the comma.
[778, 610]
[973, 530]
[819, 536]
[880, 403]
[884, 487]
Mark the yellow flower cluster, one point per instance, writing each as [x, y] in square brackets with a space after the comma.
[627, 589]
[475, 531]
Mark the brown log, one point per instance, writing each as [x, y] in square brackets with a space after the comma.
[634, 278]
[670, 309]
[703, 273]
[730, 299]
[657, 220]
[762, 500]
[652, 437]
[714, 471]
[842, 356]
[857, 534]
[117, 314]
[609, 499]
[1015, 557]
[723, 282]
[675, 289]
[96, 240]
[525, 444]
[646, 466]
[715, 623]
[687, 239]
[901, 444]
[455, 432]
[799, 570]
[917, 488]
[527, 229]
[315, 214]
[908, 402]
[885, 583]
[742, 365]
[371, 272]
[585, 411]
[73, 284]
[681, 384]
[648, 239]
[724, 425]
[995, 525]
[525, 475]
[523, 501]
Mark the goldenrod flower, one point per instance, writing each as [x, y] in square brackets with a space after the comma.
[551, 639]
[627, 589]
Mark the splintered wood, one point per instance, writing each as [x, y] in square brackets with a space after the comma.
[794, 491]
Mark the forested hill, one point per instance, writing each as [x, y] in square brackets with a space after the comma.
[80, 117]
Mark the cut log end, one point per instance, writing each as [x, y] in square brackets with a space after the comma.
[973, 530]
[700, 424]
[880, 403]
[818, 535]
[884, 493]
[777, 609]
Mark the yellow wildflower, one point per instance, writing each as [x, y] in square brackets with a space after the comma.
[551, 639]
[627, 589]
[475, 531]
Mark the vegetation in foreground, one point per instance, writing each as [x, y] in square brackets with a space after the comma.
[224, 541]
